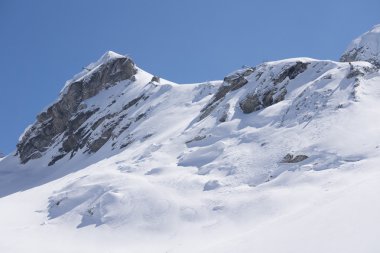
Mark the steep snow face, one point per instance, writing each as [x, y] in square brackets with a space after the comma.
[365, 48]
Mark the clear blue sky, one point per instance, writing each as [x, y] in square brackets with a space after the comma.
[44, 43]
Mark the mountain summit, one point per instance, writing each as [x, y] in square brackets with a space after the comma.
[231, 165]
[365, 48]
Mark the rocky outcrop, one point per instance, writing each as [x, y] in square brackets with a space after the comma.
[156, 79]
[65, 117]
[255, 101]
[289, 158]
[264, 96]
[231, 83]
[291, 72]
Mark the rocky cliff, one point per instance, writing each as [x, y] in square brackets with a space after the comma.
[64, 118]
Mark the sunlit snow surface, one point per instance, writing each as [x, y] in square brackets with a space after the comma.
[185, 185]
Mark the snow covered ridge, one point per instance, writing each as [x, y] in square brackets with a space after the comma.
[78, 120]
[365, 48]
[286, 144]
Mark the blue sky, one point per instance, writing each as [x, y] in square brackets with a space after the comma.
[44, 43]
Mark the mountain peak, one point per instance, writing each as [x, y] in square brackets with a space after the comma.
[364, 48]
[107, 56]
[103, 74]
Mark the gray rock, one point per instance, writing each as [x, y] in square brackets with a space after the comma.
[357, 71]
[253, 101]
[250, 103]
[355, 54]
[289, 158]
[231, 83]
[155, 79]
[267, 96]
[98, 143]
[291, 72]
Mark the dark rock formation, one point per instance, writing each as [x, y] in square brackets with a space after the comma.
[291, 72]
[266, 96]
[289, 158]
[356, 54]
[357, 71]
[231, 83]
[155, 79]
[250, 103]
[254, 101]
[64, 117]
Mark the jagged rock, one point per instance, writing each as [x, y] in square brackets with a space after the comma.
[289, 158]
[133, 102]
[357, 71]
[62, 118]
[98, 143]
[55, 159]
[254, 102]
[291, 72]
[231, 83]
[155, 79]
[250, 103]
[267, 96]
[140, 116]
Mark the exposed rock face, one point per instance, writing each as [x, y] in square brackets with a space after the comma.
[231, 83]
[291, 72]
[263, 97]
[364, 48]
[254, 102]
[65, 118]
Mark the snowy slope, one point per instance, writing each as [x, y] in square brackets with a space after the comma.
[365, 48]
[125, 161]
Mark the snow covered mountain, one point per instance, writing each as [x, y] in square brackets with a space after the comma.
[238, 165]
[365, 48]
